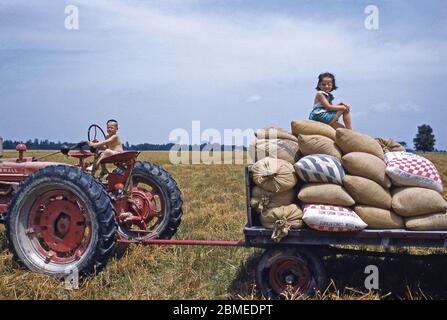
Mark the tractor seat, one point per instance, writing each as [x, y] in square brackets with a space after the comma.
[121, 157]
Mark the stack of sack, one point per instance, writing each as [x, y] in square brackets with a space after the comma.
[275, 143]
[345, 181]
[366, 180]
[389, 188]
[274, 196]
[417, 191]
[327, 205]
[393, 189]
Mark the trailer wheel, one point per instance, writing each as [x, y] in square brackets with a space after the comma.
[61, 221]
[289, 271]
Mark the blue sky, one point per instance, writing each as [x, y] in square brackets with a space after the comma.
[159, 65]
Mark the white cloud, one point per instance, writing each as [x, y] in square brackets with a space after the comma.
[356, 115]
[382, 106]
[252, 99]
[143, 39]
[407, 106]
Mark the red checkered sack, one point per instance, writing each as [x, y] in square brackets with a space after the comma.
[412, 170]
[332, 218]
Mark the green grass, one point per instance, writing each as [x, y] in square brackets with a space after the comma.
[214, 208]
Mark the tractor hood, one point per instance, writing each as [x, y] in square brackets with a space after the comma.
[17, 171]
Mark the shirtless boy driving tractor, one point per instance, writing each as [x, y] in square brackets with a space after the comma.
[111, 145]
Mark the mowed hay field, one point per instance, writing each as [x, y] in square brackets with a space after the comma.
[214, 208]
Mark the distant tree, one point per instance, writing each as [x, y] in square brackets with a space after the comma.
[425, 139]
[402, 143]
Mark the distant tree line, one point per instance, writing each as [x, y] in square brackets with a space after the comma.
[37, 144]
[424, 141]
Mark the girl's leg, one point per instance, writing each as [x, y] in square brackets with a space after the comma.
[335, 124]
[347, 120]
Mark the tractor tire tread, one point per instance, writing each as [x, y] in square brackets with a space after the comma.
[99, 199]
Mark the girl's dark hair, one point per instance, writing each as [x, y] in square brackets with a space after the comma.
[326, 75]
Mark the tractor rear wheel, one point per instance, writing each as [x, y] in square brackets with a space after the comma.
[61, 222]
[290, 273]
[157, 203]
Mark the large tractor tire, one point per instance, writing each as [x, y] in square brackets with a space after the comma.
[162, 214]
[60, 222]
[290, 273]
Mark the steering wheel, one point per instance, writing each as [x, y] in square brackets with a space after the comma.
[94, 128]
[92, 134]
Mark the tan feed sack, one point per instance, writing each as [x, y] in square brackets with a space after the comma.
[351, 141]
[389, 145]
[436, 221]
[317, 144]
[415, 201]
[367, 166]
[367, 192]
[274, 133]
[274, 148]
[377, 218]
[281, 219]
[263, 200]
[274, 175]
[325, 193]
[310, 127]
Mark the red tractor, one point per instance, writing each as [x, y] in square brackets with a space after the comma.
[60, 218]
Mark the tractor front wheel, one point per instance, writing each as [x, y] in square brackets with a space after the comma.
[61, 221]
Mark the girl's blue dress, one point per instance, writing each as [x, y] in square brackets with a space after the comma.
[320, 113]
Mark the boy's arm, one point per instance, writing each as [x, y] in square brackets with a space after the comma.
[103, 143]
[325, 103]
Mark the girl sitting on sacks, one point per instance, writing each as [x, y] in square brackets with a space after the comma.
[326, 112]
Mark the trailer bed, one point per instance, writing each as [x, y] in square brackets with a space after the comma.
[258, 236]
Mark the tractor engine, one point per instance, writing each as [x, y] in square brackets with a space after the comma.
[12, 172]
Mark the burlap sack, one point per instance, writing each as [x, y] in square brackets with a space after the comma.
[377, 218]
[351, 141]
[415, 201]
[367, 166]
[274, 133]
[274, 148]
[412, 170]
[263, 200]
[430, 222]
[367, 192]
[281, 219]
[332, 218]
[274, 175]
[317, 144]
[310, 127]
[389, 145]
[325, 193]
[320, 168]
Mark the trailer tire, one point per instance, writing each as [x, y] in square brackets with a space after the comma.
[290, 273]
